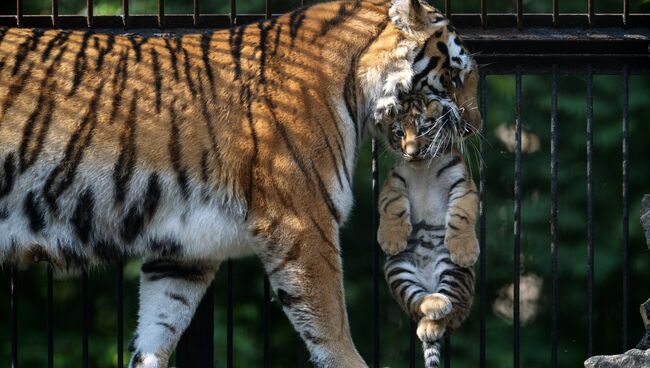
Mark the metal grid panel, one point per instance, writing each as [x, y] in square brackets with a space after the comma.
[514, 56]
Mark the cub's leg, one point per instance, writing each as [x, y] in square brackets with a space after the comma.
[170, 291]
[394, 215]
[305, 273]
[460, 238]
[401, 276]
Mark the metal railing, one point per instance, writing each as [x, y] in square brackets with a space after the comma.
[519, 44]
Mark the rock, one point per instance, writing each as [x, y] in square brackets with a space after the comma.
[644, 344]
[645, 218]
[634, 358]
[645, 313]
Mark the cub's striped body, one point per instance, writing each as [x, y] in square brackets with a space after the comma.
[192, 149]
[442, 205]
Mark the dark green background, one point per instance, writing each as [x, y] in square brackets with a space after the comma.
[357, 244]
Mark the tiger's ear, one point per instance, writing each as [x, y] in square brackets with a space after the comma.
[465, 97]
[409, 15]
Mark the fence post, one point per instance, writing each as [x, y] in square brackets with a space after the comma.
[196, 347]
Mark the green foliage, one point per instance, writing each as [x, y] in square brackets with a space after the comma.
[357, 236]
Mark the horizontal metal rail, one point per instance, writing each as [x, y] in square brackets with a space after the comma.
[223, 20]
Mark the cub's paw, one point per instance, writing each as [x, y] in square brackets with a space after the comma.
[435, 306]
[392, 237]
[463, 249]
[430, 330]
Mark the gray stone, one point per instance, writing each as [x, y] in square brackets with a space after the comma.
[645, 218]
[645, 314]
[632, 359]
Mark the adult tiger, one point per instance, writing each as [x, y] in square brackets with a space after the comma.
[191, 150]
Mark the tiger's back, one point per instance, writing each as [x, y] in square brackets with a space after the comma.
[115, 145]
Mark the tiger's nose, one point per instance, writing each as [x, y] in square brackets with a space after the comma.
[411, 148]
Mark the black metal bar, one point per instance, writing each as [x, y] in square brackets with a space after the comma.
[556, 13]
[447, 351]
[55, 13]
[375, 255]
[520, 14]
[50, 317]
[626, 13]
[197, 12]
[412, 344]
[517, 217]
[14, 316]
[89, 13]
[120, 314]
[484, 12]
[19, 13]
[626, 209]
[233, 12]
[125, 13]
[554, 194]
[448, 8]
[590, 214]
[300, 353]
[85, 318]
[230, 266]
[590, 12]
[229, 316]
[266, 307]
[161, 13]
[196, 347]
[482, 221]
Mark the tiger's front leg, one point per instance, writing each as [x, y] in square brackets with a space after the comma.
[304, 268]
[460, 237]
[170, 292]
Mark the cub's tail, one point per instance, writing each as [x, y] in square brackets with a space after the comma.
[431, 354]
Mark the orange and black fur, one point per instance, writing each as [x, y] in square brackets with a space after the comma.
[193, 149]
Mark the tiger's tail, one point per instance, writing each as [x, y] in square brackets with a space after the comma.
[431, 353]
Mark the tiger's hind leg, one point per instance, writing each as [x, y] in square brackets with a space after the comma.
[170, 292]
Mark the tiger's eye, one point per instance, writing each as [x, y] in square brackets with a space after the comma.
[399, 133]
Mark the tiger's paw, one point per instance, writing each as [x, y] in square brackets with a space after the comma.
[146, 360]
[386, 109]
[435, 306]
[430, 330]
[463, 248]
[393, 237]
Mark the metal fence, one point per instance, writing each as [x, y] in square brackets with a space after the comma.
[516, 44]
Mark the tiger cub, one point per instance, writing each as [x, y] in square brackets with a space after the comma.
[428, 211]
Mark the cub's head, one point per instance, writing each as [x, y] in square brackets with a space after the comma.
[427, 127]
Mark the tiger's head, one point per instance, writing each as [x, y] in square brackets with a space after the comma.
[439, 107]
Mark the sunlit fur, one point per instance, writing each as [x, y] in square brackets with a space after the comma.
[191, 149]
[427, 212]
